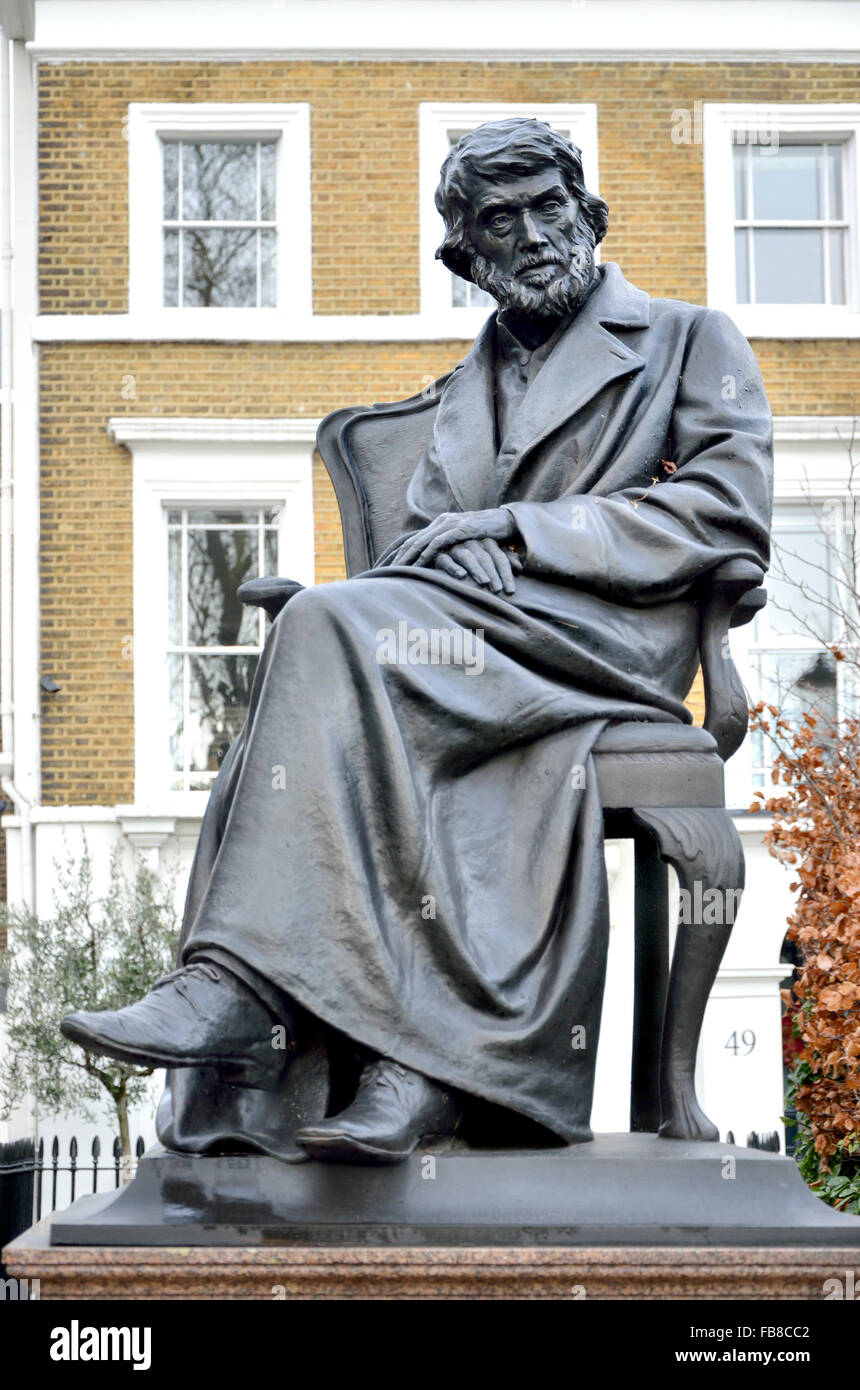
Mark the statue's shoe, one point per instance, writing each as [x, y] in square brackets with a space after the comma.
[393, 1109]
[199, 1016]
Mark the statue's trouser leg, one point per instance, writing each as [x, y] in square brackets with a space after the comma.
[704, 848]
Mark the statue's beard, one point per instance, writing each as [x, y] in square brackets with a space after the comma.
[558, 297]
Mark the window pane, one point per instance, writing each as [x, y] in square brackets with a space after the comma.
[465, 295]
[834, 181]
[223, 516]
[267, 180]
[220, 268]
[174, 587]
[742, 268]
[208, 695]
[479, 299]
[171, 179]
[787, 182]
[171, 270]
[220, 690]
[176, 719]
[803, 682]
[268, 267]
[797, 683]
[800, 585]
[219, 181]
[836, 241]
[739, 158]
[218, 562]
[270, 552]
[789, 267]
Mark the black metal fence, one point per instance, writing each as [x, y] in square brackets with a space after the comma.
[17, 1183]
[33, 1184]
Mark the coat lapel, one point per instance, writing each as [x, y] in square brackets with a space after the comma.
[464, 432]
[586, 358]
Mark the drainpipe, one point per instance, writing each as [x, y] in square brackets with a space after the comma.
[20, 803]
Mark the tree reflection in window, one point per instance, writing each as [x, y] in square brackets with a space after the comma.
[214, 641]
[219, 223]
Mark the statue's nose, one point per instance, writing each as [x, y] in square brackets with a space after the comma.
[531, 234]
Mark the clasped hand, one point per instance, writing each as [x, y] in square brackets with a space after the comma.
[466, 546]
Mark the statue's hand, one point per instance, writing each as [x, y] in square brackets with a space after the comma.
[483, 561]
[455, 528]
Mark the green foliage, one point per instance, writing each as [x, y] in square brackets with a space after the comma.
[92, 953]
[839, 1183]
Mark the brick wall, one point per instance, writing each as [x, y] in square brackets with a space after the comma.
[364, 127]
[86, 545]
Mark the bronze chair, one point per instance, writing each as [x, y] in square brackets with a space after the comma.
[661, 784]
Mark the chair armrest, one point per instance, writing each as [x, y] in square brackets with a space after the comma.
[738, 582]
[270, 593]
[731, 597]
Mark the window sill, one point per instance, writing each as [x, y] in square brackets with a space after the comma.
[257, 325]
[793, 320]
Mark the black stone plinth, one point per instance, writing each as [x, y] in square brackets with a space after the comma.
[621, 1190]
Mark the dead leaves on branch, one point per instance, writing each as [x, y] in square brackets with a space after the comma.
[816, 831]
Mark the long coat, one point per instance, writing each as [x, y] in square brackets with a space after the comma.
[431, 883]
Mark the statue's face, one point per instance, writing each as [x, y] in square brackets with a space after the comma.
[530, 249]
[525, 227]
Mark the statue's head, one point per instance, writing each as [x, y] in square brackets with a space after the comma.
[519, 220]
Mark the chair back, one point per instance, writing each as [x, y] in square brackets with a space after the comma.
[370, 455]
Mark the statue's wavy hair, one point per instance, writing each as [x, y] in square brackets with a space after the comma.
[507, 150]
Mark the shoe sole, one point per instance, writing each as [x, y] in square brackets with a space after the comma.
[235, 1071]
[332, 1147]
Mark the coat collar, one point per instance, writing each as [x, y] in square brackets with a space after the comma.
[586, 357]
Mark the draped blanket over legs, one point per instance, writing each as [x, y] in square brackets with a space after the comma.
[408, 840]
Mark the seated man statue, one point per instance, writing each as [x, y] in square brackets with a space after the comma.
[401, 865]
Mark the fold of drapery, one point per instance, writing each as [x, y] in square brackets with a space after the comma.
[408, 840]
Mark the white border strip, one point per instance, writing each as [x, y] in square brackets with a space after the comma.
[560, 30]
[426, 55]
[158, 327]
[806, 428]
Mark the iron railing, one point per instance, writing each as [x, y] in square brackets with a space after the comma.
[32, 1184]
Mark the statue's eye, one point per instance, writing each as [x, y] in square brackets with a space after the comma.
[552, 205]
[500, 223]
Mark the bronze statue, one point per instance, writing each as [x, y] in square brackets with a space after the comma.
[398, 909]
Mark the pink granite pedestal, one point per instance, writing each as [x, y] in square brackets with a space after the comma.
[472, 1272]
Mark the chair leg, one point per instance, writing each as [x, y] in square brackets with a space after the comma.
[703, 846]
[651, 974]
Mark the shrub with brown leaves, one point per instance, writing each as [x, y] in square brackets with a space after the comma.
[816, 832]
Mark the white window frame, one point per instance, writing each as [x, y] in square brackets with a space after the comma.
[722, 127]
[151, 122]
[810, 464]
[199, 462]
[435, 120]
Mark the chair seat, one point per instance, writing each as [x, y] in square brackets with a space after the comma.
[644, 763]
[651, 736]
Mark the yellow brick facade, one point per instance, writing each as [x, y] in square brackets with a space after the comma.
[364, 150]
